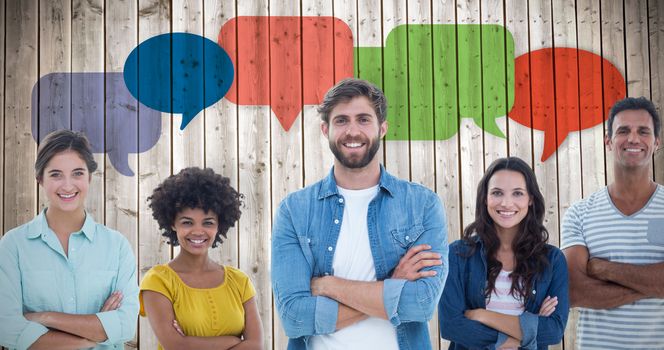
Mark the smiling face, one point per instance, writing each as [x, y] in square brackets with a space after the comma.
[507, 200]
[196, 230]
[66, 181]
[633, 141]
[354, 132]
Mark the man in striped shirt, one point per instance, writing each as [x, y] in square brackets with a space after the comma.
[614, 240]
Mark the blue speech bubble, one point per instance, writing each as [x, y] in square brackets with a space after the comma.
[100, 106]
[178, 73]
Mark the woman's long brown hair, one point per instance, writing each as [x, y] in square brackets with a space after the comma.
[529, 245]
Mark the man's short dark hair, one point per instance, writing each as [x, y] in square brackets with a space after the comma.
[634, 103]
[348, 89]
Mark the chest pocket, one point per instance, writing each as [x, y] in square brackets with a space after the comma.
[405, 237]
[656, 231]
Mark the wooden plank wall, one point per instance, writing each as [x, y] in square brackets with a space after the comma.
[248, 143]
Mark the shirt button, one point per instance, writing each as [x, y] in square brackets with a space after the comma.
[534, 291]
[308, 240]
[327, 274]
[407, 238]
[336, 221]
[341, 200]
[329, 249]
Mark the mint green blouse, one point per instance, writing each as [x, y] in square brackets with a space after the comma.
[36, 275]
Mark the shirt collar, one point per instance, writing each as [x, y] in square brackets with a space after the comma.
[329, 188]
[39, 226]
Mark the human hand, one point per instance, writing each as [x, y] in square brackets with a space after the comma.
[112, 302]
[178, 328]
[510, 344]
[548, 306]
[417, 258]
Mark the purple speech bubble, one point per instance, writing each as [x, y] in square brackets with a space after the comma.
[75, 101]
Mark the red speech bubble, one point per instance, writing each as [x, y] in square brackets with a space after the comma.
[566, 86]
[286, 62]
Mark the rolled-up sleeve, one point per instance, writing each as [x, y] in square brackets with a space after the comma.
[301, 313]
[453, 323]
[415, 301]
[120, 324]
[16, 332]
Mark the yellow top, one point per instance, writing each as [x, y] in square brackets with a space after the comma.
[202, 312]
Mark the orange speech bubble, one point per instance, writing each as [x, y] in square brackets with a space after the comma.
[286, 61]
[571, 90]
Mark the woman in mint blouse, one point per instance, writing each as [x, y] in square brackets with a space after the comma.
[67, 281]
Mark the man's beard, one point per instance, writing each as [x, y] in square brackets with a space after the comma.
[357, 163]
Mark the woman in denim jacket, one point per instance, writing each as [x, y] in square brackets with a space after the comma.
[507, 288]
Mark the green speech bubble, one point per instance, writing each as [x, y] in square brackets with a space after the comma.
[420, 79]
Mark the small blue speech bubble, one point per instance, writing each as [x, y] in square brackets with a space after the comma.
[78, 101]
[178, 73]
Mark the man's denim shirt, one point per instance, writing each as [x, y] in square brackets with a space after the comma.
[304, 237]
[464, 290]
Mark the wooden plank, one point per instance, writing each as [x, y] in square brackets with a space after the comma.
[395, 86]
[421, 106]
[54, 56]
[121, 195]
[496, 55]
[316, 153]
[567, 108]
[566, 73]
[370, 62]
[420, 87]
[221, 148]
[592, 139]
[286, 145]
[655, 15]
[87, 41]
[446, 114]
[154, 165]
[188, 144]
[636, 48]
[20, 196]
[613, 49]
[520, 137]
[470, 105]
[254, 166]
[541, 36]
[446, 117]
[637, 52]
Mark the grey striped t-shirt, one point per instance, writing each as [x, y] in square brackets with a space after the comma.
[597, 224]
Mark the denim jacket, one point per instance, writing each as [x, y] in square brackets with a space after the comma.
[304, 237]
[464, 290]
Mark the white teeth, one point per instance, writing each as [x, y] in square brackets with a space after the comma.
[633, 150]
[67, 196]
[197, 241]
[506, 213]
[353, 145]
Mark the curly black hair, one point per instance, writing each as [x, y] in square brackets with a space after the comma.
[195, 188]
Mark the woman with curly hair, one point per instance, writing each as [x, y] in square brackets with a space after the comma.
[192, 302]
[507, 288]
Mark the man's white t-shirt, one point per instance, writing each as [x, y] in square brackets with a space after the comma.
[353, 261]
